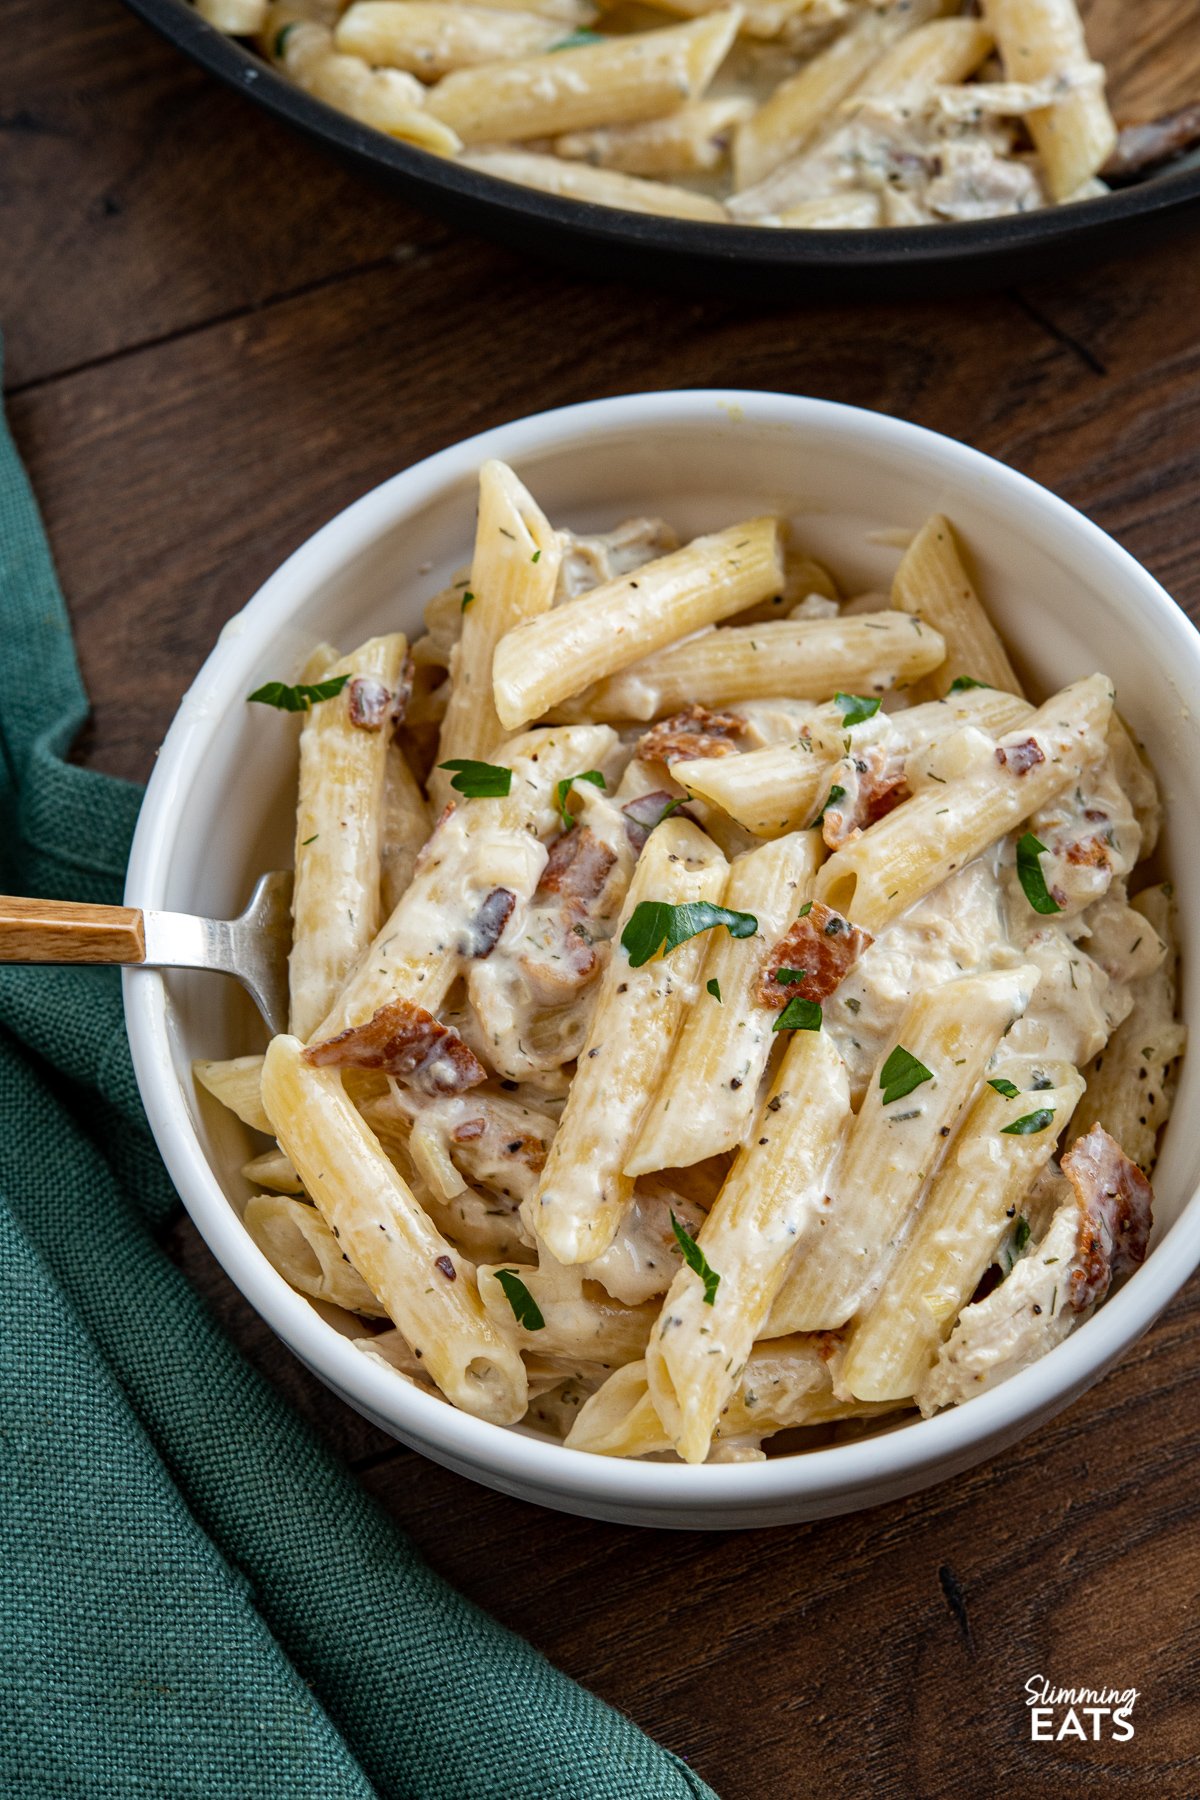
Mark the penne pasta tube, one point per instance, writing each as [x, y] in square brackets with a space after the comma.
[424, 1285]
[297, 1242]
[579, 1319]
[388, 99]
[806, 102]
[784, 1384]
[484, 844]
[1129, 1085]
[602, 187]
[699, 1347]
[545, 660]
[878, 875]
[404, 828]
[694, 140]
[896, 1143]
[237, 1084]
[1043, 40]
[583, 1191]
[972, 1202]
[273, 1170]
[514, 571]
[935, 53]
[780, 788]
[608, 83]
[336, 896]
[801, 659]
[833, 212]
[429, 38]
[240, 18]
[932, 584]
[721, 1051]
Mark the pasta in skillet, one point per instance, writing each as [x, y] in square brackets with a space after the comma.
[722, 1013]
[836, 114]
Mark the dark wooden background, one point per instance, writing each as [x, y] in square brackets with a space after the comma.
[214, 339]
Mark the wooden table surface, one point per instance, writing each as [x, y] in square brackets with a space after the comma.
[215, 338]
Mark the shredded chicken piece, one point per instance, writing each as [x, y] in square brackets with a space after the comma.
[694, 732]
[558, 954]
[1116, 1206]
[1147, 146]
[824, 945]
[403, 1040]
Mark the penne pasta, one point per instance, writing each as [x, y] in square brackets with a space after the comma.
[602, 187]
[388, 99]
[1043, 41]
[694, 140]
[932, 584]
[424, 1285]
[404, 829]
[545, 660]
[429, 38]
[297, 1242]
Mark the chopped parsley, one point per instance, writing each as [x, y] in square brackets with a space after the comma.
[536, 557]
[854, 708]
[281, 37]
[657, 924]
[713, 987]
[901, 1073]
[468, 596]
[479, 780]
[696, 1260]
[575, 39]
[526, 1310]
[1031, 1123]
[831, 799]
[305, 842]
[799, 1015]
[1004, 1087]
[1029, 873]
[805, 910]
[961, 683]
[789, 977]
[1021, 1235]
[300, 697]
[563, 788]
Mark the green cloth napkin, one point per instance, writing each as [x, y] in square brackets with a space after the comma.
[195, 1598]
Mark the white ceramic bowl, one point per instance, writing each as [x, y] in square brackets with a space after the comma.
[219, 810]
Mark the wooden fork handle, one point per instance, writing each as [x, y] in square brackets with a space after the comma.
[64, 931]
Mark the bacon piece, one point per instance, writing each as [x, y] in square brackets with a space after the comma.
[1147, 146]
[1089, 852]
[872, 785]
[577, 867]
[530, 1151]
[647, 811]
[1020, 758]
[370, 702]
[1116, 1211]
[693, 732]
[483, 932]
[403, 1040]
[445, 1267]
[824, 944]
[470, 1128]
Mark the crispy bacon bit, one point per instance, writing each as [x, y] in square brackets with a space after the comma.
[470, 1128]
[824, 944]
[370, 702]
[872, 785]
[693, 732]
[445, 1267]
[1141, 148]
[1091, 852]
[403, 1040]
[483, 932]
[644, 813]
[1020, 758]
[577, 867]
[528, 1150]
[1116, 1211]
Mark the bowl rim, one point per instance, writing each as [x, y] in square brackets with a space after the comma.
[854, 1472]
[910, 247]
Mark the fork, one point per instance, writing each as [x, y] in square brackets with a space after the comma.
[253, 947]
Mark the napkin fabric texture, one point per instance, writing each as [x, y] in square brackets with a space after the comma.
[195, 1598]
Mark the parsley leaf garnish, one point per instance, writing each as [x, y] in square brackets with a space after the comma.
[713, 987]
[1029, 873]
[1021, 1235]
[526, 1310]
[961, 683]
[656, 923]
[854, 708]
[901, 1073]
[790, 976]
[468, 596]
[563, 788]
[282, 36]
[805, 910]
[835, 794]
[696, 1260]
[574, 39]
[1004, 1087]
[300, 697]
[1031, 1123]
[479, 780]
[799, 1015]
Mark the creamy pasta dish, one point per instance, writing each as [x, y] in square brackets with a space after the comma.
[724, 1011]
[839, 114]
